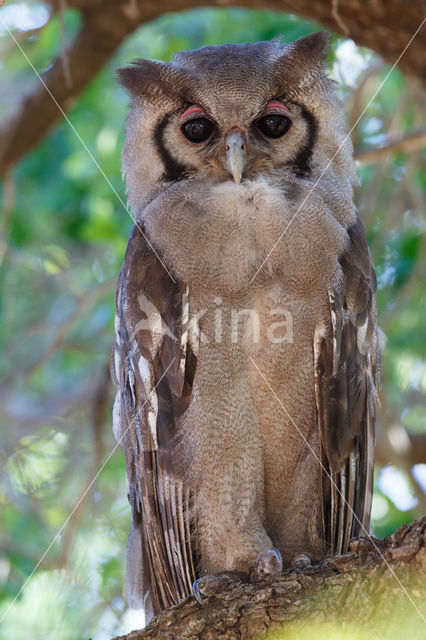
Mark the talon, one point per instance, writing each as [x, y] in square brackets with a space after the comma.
[301, 561]
[361, 544]
[208, 586]
[197, 592]
[268, 564]
[328, 563]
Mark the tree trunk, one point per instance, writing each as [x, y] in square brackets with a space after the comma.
[386, 26]
[375, 591]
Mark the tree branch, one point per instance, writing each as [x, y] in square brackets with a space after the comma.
[405, 144]
[359, 589]
[380, 25]
[395, 445]
[102, 31]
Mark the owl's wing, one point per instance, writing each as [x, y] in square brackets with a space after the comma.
[153, 366]
[347, 376]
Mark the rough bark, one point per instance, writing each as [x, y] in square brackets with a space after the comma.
[377, 588]
[386, 26]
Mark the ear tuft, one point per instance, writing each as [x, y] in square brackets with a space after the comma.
[140, 75]
[153, 80]
[314, 46]
[302, 62]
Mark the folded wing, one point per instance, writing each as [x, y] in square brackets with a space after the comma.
[347, 376]
[153, 366]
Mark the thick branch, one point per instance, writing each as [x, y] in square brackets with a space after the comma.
[381, 25]
[386, 26]
[103, 30]
[372, 589]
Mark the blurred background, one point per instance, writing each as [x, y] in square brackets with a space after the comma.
[63, 235]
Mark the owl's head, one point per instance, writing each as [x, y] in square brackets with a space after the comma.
[230, 112]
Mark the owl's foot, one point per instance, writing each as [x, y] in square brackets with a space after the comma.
[360, 544]
[301, 561]
[209, 585]
[269, 564]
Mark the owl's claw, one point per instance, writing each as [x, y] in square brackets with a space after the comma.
[208, 585]
[196, 590]
[360, 545]
[301, 561]
[269, 564]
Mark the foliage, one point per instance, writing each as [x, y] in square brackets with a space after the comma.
[63, 238]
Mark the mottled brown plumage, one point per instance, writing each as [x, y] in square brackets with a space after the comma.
[241, 433]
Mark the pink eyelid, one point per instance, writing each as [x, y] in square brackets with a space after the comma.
[277, 107]
[273, 105]
[193, 109]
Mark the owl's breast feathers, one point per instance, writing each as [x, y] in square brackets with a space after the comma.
[216, 235]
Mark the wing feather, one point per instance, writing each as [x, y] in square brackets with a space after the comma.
[153, 368]
[347, 376]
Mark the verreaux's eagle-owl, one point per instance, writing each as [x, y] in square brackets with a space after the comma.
[246, 358]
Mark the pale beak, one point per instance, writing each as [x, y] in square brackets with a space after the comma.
[235, 154]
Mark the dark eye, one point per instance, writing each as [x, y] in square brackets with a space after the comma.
[273, 125]
[198, 130]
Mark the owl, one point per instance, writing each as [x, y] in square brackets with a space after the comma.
[246, 359]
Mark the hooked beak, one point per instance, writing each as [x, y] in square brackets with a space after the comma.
[235, 143]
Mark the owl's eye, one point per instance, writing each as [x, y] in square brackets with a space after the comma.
[274, 125]
[198, 129]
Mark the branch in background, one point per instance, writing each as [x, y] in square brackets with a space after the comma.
[395, 445]
[8, 206]
[418, 491]
[100, 35]
[358, 94]
[27, 415]
[381, 26]
[335, 13]
[60, 334]
[406, 291]
[404, 144]
[100, 412]
[99, 409]
[64, 55]
[85, 304]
